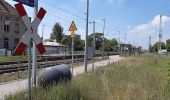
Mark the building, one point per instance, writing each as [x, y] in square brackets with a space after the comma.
[54, 48]
[126, 50]
[129, 50]
[12, 27]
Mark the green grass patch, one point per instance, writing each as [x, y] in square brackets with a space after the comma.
[134, 78]
[13, 58]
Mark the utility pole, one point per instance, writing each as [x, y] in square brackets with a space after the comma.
[43, 32]
[120, 48]
[34, 55]
[103, 37]
[149, 49]
[86, 36]
[124, 43]
[119, 37]
[94, 44]
[160, 34]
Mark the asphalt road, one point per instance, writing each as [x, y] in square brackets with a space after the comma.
[18, 85]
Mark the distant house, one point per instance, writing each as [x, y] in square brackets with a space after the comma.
[163, 51]
[12, 27]
[55, 48]
[128, 50]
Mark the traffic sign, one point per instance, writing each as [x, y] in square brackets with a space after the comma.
[26, 2]
[73, 34]
[72, 27]
[30, 34]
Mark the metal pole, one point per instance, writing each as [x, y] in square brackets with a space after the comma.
[119, 44]
[124, 44]
[86, 36]
[43, 33]
[103, 38]
[72, 49]
[29, 70]
[160, 34]
[150, 44]
[34, 56]
[94, 44]
[119, 37]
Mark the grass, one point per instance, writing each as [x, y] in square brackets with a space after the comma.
[13, 76]
[134, 78]
[12, 58]
[89, 61]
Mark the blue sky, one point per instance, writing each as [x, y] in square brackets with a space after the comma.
[138, 19]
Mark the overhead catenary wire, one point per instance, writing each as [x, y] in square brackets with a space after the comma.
[78, 17]
[109, 26]
[65, 11]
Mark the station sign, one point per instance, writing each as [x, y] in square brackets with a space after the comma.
[26, 2]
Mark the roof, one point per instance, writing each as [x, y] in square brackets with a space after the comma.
[53, 44]
[122, 44]
[7, 8]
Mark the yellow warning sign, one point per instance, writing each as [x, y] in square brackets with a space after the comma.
[73, 34]
[72, 27]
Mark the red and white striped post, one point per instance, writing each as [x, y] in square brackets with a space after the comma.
[30, 35]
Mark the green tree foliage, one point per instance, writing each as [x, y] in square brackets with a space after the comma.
[57, 33]
[109, 45]
[78, 43]
[168, 44]
[99, 40]
[155, 46]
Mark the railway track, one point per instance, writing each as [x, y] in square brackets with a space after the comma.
[24, 66]
[43, 62]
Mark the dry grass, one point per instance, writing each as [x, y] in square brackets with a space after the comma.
[135, 78]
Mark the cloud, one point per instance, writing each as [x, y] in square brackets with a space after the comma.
[141, 32]
[150, 26]
[81, 32]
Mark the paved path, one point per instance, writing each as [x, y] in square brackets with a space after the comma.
[16, 86]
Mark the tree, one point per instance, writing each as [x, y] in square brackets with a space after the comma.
[66, 40]
[57, 33]
[168, 44]
[110, 45]
[99, 39]
[155, 46]
[78, 43]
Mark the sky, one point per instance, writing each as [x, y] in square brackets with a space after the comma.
[136, 20]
